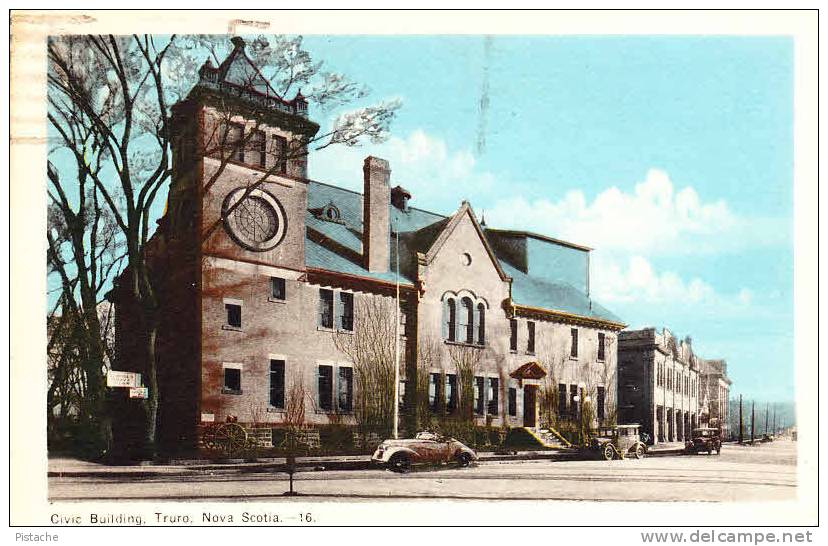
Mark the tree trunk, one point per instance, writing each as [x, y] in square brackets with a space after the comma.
[152, 383]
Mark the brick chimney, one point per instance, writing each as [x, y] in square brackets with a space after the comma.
[375, 219]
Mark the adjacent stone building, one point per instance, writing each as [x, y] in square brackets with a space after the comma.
[664, 386]
[279, 299]
[715, 394]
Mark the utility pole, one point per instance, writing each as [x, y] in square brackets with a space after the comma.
[752, 420]
[741, 423]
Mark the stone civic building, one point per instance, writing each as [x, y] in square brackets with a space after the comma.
[270, 293]
[665, 386]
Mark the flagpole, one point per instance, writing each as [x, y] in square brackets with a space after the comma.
[397, 340]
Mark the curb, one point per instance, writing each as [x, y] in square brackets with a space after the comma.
[311, 465]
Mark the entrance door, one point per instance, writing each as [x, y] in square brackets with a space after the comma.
[529, 405]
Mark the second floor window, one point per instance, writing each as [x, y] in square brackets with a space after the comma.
[530, 337]
[233, 315]
[601, 346]
[326, 311]
[573, 349]
[346, 311]
[277, 288]
[513, 332]
[481, 324]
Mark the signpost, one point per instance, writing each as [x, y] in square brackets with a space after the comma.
[123, 379]
[139, 392]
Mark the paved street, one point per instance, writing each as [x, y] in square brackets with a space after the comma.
[764, 472]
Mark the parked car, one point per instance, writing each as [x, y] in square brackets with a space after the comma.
[617, 442]
[425, 447]
[705, 439]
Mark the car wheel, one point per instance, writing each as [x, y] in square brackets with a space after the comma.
[608, 452]
[709, 451]
[399, 462]
[639, 452]
[463, 459]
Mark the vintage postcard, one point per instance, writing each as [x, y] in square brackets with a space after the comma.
[353, 268]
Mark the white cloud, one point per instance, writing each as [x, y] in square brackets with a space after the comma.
[638, 281]
[653, 218]
[421, 163]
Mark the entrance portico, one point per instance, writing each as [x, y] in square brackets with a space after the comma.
[528, 376]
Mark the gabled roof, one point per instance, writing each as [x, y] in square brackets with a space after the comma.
[454, 221]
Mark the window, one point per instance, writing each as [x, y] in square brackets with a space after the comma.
[346, 309]
[530, 337]
[481, 324]
[277, 288]
[280, 153]
[600, 346]
[561, 400]
[573, 404]
[234, 141]
[492, 396]
[325, 388]
[451, 392]
[478, 395]
[233, 314]
[257, 149]
[433, 391]
[601, 402]
[513, 328]
[345, 392]
[573, 350]
[512, 402]
[449, 319]
[467, 320]
[277, 384]
[232, 381]
[326, 314]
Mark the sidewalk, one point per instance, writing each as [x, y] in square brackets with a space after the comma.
[74, 468]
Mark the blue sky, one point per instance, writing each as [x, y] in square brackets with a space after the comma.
[671, 156]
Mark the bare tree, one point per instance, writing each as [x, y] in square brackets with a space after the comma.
[83, 253]
[119, 89]
[371, 349]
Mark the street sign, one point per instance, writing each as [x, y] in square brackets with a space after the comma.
[123, 379]
[139, 392]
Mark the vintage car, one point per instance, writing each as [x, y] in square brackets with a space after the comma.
[617, 442]
[425, 447]
[705, 439]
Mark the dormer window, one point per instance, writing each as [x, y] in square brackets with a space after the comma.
[330, 212]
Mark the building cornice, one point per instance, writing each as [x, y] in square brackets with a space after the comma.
[562, 316]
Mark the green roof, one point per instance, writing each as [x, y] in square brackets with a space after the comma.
[336, 246]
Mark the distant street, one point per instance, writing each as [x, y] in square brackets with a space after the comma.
[764, 472]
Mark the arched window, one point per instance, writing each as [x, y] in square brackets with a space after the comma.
[449, 319]
[467, 320]
[481, 324]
